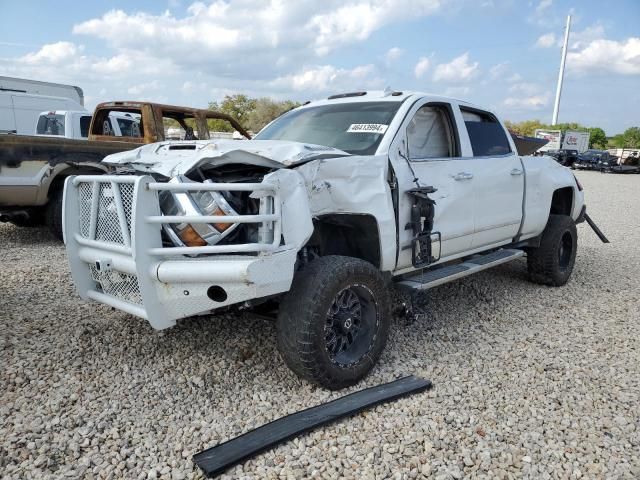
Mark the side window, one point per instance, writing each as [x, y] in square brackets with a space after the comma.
[85, 121]
[430, 134]
[486, 135]
[118, 123]
[180, 126]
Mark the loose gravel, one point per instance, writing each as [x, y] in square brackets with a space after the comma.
[529, 381]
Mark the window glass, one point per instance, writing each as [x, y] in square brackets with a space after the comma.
[179, 126]
[355, 127]
[121, 124]
[429, 134]
[85, 121]
[50, 124]
[486, 135]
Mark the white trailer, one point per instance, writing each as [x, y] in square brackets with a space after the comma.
[576, 141]
[553, 136]
[23, 85]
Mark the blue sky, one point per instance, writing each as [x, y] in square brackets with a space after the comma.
[503, 54]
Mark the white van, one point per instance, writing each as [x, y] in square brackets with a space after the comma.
[50, 89]
[19, 112]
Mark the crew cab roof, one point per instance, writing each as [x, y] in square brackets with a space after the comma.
[386, 96]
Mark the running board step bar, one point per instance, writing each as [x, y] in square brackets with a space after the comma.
[216, 460]
[439, 276]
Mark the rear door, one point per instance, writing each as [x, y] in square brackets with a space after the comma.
[498, 179]
[434, 157]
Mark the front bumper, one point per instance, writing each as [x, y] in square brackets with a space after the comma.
[112, 227]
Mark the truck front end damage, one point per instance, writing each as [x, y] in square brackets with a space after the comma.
[164, 250]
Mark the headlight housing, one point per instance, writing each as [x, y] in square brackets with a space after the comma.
[191, 204]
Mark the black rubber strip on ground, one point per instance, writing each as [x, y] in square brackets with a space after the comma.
[216, 460]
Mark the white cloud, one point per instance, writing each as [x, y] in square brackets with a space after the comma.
[516, 77]
[458, 70]
[392, 55]
[52, 54]
[421, 67]
[610, 56]
[459, 92]
[525, 88]
[547, 40]
[542, 7]
[356, 20]
[329, 78]
[213, 35]
[532, 102]
[580, 39]
[499, 70]
[144, 88]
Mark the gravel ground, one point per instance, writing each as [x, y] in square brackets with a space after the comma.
[529, 381]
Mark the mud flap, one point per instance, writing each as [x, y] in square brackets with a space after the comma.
[595, 228]
[217, 459]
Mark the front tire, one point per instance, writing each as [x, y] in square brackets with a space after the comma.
[53, 215]
[552, 262]
[334, 322]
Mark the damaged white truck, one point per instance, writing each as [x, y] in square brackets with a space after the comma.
[328, 207]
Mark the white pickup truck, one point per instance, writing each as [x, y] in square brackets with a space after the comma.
[320, 214]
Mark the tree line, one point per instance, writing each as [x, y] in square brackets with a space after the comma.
[252, 113]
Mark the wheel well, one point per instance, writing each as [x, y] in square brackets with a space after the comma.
[352, 235]
[562, 201]
[58, 181]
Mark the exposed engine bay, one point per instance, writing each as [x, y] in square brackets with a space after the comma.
[211, 203]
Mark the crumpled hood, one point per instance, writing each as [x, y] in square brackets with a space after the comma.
[173, 158]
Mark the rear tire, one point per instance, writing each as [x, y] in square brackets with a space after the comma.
[552, 262]
[53, 215]
[334, 322]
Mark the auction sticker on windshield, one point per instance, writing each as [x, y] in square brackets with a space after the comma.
[367, 128]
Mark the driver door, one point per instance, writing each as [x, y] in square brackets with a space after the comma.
[434, 158]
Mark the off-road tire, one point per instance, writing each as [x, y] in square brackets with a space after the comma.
[53, 214]
[550, 263]
[304, 313]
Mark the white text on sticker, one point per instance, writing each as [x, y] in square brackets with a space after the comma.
[367, 128]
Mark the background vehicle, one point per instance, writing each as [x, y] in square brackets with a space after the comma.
[64, 123]
[576, 141]
[23, 85]
[328, 206]
[564, 157]
[631, 164]
[19, 112]
[594, 160]
[33, 168]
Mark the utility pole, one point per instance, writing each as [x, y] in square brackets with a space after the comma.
[565, 45]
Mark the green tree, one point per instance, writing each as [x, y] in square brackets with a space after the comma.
[265, 110]
[238, 106]
[632, 137]
[597, 138]
[527, 127]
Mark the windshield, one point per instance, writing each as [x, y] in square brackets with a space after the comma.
[51, 124]
[356, 127]
[592, 155]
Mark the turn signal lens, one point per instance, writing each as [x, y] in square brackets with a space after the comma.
[190, 237]
[221, 227]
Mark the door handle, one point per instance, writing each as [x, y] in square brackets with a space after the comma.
[463, 176]
[516, 171]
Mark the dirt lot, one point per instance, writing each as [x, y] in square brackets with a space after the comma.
[529, 380]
